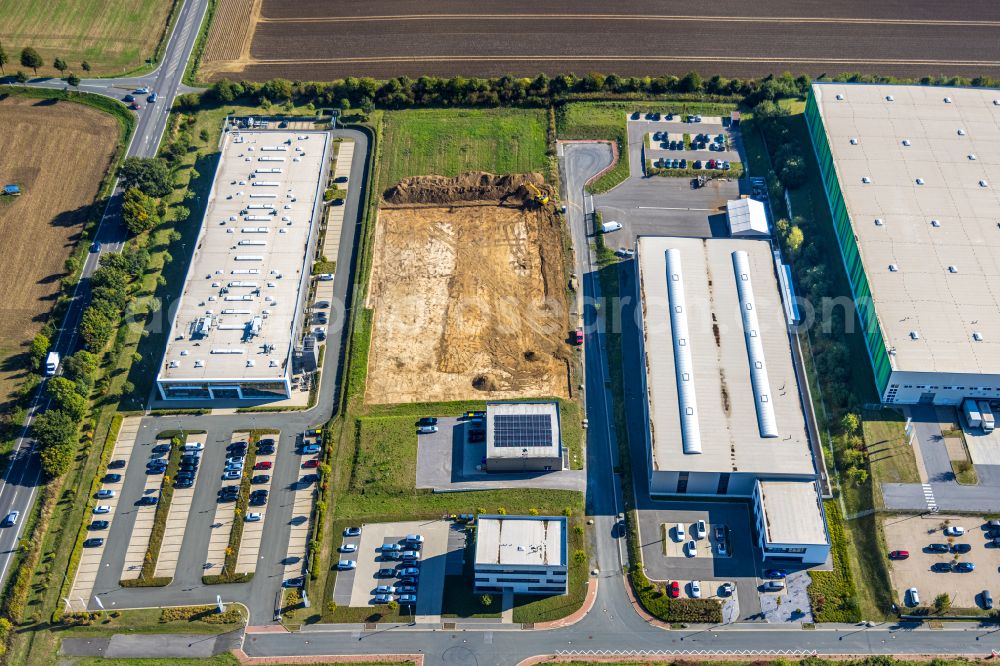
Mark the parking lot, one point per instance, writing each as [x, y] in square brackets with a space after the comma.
[356, 587]
[665, 558]
[658, 205]
[447, 460]
[931, 572]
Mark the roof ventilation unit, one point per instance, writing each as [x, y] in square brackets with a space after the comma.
[935, 223]
[890, 98]
[961, 132]
[947, 100]
[914, 335]
[199, 363]
[953, 269]
[893, 268]
[983, 183]
[841, 97]
[920, 181]
[879, 222]
[906, 142]
[866, 180]
[175, 364]
[972, 156]
[977, 336]
[854, 141]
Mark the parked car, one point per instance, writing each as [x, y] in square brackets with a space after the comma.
[183, 483]
[913, 597]
[352, 532]
[383, 598]
[325, 277]
[384, 572]
[774, 586]
[674, 589]
[954, 531]
[986, 599]
[899, 555]
[253, 517]
[99, 525]
[960, 548]
[112, 478]
[117, 464]
[389, 548]
[94, 542]
[235, 460]
[937, 548]
[231, 475]
[414, 541]
[310, 464]
[409, 580]
[161, 448]
[385, 589]
[128, 98]
[310, 449]
[941, 567]
[696, 589]
[700, 529]
[260, 478]
[411, 555]
[298, 581]
[726, 590]
[409, 571]
[691, 548]
[11, 518]
[348, 548]
[406, 589]
[992, 524]
[152, 98]
[239, 444]
[407, 599]
[427, 430]
[135, 106]
[679, 533]
[775, 573]
[963, 567]
[102, 508]
[263, 464]
[427, 421]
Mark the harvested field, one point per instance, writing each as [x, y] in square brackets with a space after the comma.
[114, 37]
[228, 45]
[58, 152]
[469, 298]
[319, 40]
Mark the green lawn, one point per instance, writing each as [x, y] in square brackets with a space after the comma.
[114, 37]
[446, 142]
[606, 120]
[889, 452]
[386, 458]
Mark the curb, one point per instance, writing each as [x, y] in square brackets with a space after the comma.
[416, 659]
[579, 614]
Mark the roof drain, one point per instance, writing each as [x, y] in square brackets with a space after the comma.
[755, 348]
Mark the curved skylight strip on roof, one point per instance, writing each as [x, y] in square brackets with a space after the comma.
[755, 348]
[684, 368]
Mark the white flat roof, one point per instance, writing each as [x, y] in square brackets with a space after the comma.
[952, 147]
[720, 409]
[792, 513]
[520, 540]
[530, 422]
[245, 279]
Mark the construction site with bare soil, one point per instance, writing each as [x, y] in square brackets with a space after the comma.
[468, 292]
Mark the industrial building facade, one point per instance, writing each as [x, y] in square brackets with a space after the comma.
[238, 318]
[524, 554]
[723, 408]
[523, 437]
[911, 176]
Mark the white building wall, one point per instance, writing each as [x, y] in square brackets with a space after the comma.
[530, 580]
[811, 553]
[939, 388]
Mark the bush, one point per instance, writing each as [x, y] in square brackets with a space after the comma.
[207, 614]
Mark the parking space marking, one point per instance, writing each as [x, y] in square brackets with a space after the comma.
[90, 558]
[335, 214]
[222, 526]
[302, 500]
[138, 543]
[246, 561]
[173, 534]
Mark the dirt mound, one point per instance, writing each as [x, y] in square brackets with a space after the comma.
[469, 186]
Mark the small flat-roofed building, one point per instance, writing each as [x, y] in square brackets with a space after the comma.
[525, 554]
[790, 521]
[523, 437]
[912, 178]
[747, 218]
[722, 396]
[240, 312]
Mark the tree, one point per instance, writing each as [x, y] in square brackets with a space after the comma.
[30, 58]
[692, 82]
[850, 423]
[39, 348]
[226, 91]
[794, 239]
[73, 79]
[56, 459]
[138, 211]
[3, 58]
[486, 600]
[942, 602]
[95, 328]
[81, 368]
[149, 174]
[20, 77]
[64, 393]
[85, 66]
[54, 428]
[60, 64]
[277, 90]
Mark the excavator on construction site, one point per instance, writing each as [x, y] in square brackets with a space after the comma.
[540, 197]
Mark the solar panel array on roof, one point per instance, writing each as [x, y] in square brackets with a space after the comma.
[522, 430]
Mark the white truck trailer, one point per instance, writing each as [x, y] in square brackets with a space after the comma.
[51, 363]
[988, 421]
[970, 410]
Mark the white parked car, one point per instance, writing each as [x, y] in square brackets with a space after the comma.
[692, 548]
[679, 533]
[608, 227]
[954, 531]
[325, 277]
[700, 529]
[349, 548]
[102, 508]
[344, 565]
[105, 493]
[914, 596]
[696, 589]
[254, 517]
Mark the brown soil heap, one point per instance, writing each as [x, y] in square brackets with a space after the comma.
[469, 186]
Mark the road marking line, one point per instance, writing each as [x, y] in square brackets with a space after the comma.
[667, 208]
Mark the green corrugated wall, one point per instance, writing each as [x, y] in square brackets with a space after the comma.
[848, 247]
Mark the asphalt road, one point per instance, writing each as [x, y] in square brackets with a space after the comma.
[22, 478]
[387, 38]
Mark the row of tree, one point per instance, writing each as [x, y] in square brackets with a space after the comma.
[29, 57]
[57, 430]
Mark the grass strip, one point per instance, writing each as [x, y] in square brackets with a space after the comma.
[831, 593]
[735, 171]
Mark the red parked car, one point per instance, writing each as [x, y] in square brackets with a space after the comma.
[311, 463]
[674, 589]
[264, 464]
[576, 337]
[899, 555]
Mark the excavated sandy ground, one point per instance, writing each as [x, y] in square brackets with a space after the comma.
[469, 303]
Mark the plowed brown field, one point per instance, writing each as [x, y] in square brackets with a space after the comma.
[320, 40]
[469, 303]
[58, 152]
